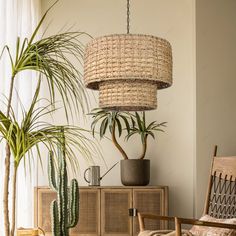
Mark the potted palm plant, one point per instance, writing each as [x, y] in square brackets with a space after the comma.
[133, 171]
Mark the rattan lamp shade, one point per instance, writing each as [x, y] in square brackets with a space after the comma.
[127, 69]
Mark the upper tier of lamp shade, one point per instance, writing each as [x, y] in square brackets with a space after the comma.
[127, 69]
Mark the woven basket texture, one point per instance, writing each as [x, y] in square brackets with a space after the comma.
[121, 95]
[128, 57]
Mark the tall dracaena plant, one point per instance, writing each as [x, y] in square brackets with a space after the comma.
[51, 57]
[32, 131]
[112, 121]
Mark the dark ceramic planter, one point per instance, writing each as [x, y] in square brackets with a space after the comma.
[135, 172]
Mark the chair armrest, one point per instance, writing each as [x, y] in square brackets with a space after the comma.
[142, 216]
[179, 221]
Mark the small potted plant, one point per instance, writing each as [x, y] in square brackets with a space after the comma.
[133, 171]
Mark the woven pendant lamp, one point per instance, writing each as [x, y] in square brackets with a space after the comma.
[127, 69]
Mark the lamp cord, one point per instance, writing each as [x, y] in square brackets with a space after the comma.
[128, 16]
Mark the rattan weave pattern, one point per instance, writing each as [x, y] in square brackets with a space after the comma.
[116, 218]
[88, 220]
[128, 57]
[127, 69]
[128, 96]
[148, 201]
[44, 210]
[223, 197]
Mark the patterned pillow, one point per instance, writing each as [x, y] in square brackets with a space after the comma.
[213, 231]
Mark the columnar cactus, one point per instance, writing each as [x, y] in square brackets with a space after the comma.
[64, 209]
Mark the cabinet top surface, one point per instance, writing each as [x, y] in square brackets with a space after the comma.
[117, 187]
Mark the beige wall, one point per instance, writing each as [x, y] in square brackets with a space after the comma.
[216, 83]
[172, 156]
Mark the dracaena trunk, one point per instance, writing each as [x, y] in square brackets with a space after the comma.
[6, 188]
[114, 140]
[13, 201]
[7, 169]
[144, 148]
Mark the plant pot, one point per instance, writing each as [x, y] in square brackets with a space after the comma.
[135, 172]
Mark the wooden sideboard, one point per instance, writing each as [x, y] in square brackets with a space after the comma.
[107, 210]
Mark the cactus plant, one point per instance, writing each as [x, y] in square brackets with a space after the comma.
[64, 209]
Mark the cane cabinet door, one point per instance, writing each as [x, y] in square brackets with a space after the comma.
[43, 201]
[152, 201]
[89, 215]
[115, 220]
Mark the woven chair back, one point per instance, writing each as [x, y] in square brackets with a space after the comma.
[221, 196]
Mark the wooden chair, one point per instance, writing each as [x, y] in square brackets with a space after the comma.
[220, 199]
